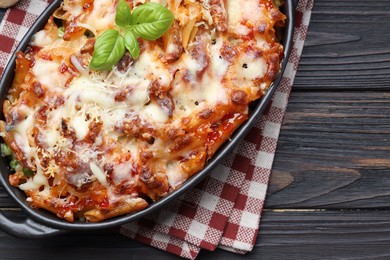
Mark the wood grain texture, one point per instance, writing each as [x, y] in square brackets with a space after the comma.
[347, 47]
[284, 235]
[333, 145]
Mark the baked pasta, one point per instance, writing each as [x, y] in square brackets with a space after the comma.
[92, 145]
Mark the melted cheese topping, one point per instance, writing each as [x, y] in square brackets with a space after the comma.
[103, 15]
[242, 12]
[96, 140]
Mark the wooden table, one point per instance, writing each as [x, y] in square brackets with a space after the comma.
[329, 195]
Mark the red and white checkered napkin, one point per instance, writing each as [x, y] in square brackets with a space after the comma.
[224, 210]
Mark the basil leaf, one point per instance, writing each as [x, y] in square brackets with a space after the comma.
[131, 44]
[109, 49]
[123, 14]
[151, 20]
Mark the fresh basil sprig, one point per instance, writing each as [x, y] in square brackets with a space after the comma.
[123, 14]
[148, 21]
[109, 49]
[131, 44]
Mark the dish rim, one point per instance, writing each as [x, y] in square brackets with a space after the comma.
[51, 220]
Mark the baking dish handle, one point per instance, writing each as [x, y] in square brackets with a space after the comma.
[27, 228]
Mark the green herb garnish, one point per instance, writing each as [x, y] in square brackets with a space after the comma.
[109, 49]
[148, 21]
[278, 3]
[132, 45]
[123, 14]
[27, 172]
[14, 164]
[5, 150]
[61, 32]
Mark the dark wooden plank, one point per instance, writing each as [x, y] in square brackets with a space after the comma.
[347, 47]
[324, 235]
[333, 152]
[284, 235]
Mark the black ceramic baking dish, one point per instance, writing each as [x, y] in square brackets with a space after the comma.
[40, 223]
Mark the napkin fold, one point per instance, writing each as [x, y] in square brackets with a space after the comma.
[224, 210]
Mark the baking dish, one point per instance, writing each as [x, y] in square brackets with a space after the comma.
[42, 224]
